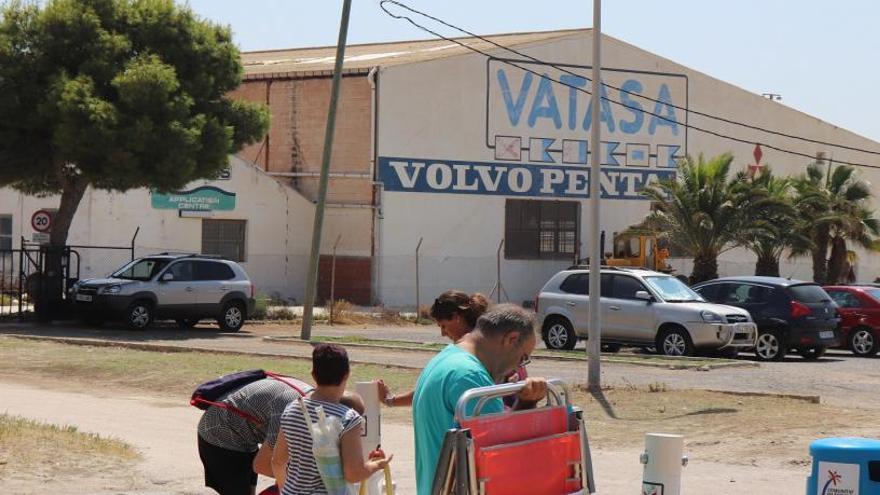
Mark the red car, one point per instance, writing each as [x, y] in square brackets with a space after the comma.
[859, 308]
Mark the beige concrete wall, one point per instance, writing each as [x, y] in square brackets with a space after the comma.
[436, 112]
[278, 231]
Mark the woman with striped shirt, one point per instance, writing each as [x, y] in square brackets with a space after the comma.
[293, 458]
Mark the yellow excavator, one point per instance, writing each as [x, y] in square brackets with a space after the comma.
[639, 249]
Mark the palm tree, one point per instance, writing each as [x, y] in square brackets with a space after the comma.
[773, 224]
[699, 211]
[836, 212]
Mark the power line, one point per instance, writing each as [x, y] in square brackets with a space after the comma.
[582, 90]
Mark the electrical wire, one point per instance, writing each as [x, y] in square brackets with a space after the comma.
[582, 90]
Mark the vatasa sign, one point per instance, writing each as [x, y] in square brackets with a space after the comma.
[204, 198]
[536, 135]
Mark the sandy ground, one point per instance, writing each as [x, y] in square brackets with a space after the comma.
[164, 432]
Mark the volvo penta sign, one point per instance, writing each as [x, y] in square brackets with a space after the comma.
[537, 119]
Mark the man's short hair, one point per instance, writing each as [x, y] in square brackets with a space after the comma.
[504, 318]
[329, 364]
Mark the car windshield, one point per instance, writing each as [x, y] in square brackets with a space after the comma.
[144, 269]
[875, 293]
[672, 289]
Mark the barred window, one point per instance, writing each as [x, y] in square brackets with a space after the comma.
[224, 238]
[536, 229]
[5, 232]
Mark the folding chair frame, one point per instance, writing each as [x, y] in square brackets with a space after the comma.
[456, 468]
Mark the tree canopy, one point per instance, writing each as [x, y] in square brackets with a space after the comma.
[116, 94]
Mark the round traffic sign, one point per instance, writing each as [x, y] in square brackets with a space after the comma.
[41, 221]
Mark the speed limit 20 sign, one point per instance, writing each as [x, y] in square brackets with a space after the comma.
[41, 221]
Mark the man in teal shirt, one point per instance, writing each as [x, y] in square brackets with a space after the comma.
[503, 338]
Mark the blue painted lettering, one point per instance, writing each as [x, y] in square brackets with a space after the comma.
[635, 125]
[664, 103]
[573, 83]
[605, 114]
[542, 109]
[514, 109]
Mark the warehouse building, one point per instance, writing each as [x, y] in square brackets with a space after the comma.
[472, 166]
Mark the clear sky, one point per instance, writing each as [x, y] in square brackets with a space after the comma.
[823, 57]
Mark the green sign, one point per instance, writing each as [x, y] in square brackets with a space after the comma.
[204, 198]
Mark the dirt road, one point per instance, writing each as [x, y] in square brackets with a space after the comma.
[839, 378]
[163, 430]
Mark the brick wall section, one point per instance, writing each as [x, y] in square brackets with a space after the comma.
[254, 91]
[352, 279]
[296, 136]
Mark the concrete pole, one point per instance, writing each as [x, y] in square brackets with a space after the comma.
[312, 275]
[594, 344]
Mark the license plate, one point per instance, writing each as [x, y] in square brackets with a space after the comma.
[84, 297]
[826, 335]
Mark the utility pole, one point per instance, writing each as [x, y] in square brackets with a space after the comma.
[594, 343]
[312, 275]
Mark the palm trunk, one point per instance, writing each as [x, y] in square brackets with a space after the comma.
[767, 265]
[820, 256]
[838, 265]
[705, 268]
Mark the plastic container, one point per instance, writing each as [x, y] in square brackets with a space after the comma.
[325, 446]
[845, 466]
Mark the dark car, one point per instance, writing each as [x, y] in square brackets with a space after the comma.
[860, 312]
[790, 314]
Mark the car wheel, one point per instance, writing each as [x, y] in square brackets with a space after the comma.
[612, 348]
[187, 323]
[675, 342]
[559, 335]
[862, 342]
[232, 317]
[769, 347]
[812, 353]
[139, 315]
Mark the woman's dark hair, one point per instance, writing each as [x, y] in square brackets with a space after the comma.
[329, 364]
[456, 302]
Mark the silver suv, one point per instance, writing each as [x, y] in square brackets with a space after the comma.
[185, 288]
[641, 308]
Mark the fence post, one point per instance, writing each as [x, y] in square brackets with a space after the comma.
[418, 301]
[333, 278]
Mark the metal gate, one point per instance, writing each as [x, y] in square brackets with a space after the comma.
[35, 280]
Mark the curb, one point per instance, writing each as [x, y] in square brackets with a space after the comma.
[177, 348]
[606, 359]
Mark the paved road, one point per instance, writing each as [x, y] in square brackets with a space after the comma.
[838, 378]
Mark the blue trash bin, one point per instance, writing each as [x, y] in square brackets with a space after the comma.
[845, 466]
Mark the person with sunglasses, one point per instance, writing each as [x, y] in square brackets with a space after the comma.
[502, 341]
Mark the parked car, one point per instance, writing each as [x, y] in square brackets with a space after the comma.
[790, 314]
[859, 308]
[640, 308]
[186, 288]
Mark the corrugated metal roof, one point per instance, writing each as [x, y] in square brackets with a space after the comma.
[317, 61]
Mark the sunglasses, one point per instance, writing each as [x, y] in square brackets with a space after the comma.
[525, 360]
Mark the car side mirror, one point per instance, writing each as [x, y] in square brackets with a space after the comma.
[167, 277]
[644, 296]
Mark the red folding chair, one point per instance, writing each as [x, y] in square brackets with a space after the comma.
[542, 451]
